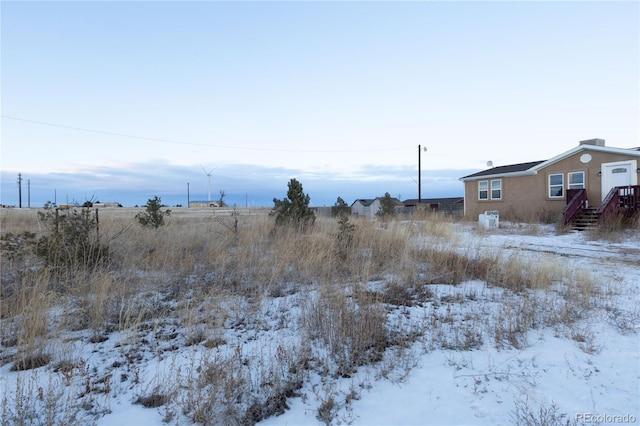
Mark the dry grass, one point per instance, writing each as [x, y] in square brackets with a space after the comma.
[352, 329]
[616, 229]
[191, 282]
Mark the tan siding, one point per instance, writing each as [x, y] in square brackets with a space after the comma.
[526, 197]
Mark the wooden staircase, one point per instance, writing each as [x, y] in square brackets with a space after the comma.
[621, 201]
[587, 219]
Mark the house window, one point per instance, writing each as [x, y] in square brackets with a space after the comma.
[556, 185]
[496, 189]
[483, 190]
[576, 180]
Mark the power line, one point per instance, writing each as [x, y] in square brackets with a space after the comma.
[124, 135]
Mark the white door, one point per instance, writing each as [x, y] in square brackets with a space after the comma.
[620, 173]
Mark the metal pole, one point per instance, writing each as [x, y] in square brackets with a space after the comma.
[419, 177]
[19, 190]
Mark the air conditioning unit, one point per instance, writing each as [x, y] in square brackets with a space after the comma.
[489, 219]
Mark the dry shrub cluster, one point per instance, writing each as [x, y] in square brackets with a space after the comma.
[199, 277]
[352, 330]
[616, 229]
[229, 389]
[449, 264]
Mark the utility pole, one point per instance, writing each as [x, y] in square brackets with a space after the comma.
[419, 177]
[188, 200]
[420, 149]
[29, 193]
[20, 190]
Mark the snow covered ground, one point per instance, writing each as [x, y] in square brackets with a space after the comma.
[585, 371]
[593, 381]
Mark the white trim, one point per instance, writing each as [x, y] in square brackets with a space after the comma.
[608, 150]
[488, 190]
[491, 189]
[499, 175]
[464, 200]
[584, 179]
[605, 184]
[563, 190]
[534, 170]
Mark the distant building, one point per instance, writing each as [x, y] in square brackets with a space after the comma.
[368, 207]
[204, 204]
[453, 206]
[107, 204]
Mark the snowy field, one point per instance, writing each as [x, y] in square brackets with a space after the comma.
[591, 373]
[470, 360]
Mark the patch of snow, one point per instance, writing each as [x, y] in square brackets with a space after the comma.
[598, 373]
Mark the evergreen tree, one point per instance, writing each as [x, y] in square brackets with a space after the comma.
[340, 208]
[346, 229]
[153, 216]
[293, 210]
[387, 206]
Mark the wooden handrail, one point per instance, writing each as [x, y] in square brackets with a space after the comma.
[610, 205]
[629, 200]
[575, 205]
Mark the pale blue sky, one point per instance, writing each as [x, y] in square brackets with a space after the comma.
[336, 94]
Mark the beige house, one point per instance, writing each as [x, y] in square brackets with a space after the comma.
[538, 189]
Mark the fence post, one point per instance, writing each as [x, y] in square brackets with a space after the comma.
[97, 228]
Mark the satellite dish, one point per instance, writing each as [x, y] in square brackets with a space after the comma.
[489, 163]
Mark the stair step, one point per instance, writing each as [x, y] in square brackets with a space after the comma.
[588, 219]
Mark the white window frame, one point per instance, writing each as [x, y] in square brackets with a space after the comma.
[572, 185]
[556, 185]
[484, 190]
[498, 188]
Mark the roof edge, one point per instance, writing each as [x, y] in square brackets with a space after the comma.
[633, 152]
[610, 150]
[527, 172]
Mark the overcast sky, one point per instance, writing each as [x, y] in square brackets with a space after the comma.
[121, 101]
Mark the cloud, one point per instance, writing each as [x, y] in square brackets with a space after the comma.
[134, 183]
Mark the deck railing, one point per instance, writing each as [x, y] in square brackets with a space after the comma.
[625, 198]
[576, 202]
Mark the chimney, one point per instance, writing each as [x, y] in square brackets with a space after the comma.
[596, 142]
